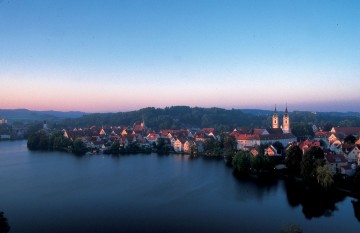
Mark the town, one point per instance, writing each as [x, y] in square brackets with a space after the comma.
[340, 145]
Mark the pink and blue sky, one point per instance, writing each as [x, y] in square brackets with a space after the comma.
[110, 56]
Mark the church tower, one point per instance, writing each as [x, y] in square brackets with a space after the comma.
[286, 121]
[275, 120]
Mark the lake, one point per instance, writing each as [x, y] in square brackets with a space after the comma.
[60, 192]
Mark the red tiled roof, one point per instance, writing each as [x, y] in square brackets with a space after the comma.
[322, 134]
[208, 130]
[138, 128]
[259, 131]
[347, 130]
[152, 136]
[277, 136]
[337, 158]
[247, 137]
[308, 144]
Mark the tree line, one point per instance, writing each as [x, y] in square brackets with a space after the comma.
[41, 140]
[181, 117]
[310, 167]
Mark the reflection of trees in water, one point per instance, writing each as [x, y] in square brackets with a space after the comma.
[356, 205]
[315, 202]
[4, 225]
[256, 186]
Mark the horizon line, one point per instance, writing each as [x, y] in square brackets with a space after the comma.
[131, 110]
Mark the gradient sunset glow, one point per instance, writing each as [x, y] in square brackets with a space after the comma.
[110, 56]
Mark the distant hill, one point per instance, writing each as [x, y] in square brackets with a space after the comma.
[257, 111]
[181, 117]
[26, 116]
[177, 117]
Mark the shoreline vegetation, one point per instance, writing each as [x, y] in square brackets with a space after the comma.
[309, 169]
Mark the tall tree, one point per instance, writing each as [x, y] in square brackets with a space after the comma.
[293, 160]
[324, 176]
[278, 146]
[229, 143]
[313, 158]
[242, 162]
[350, 139]
[307, 167]
[316, 152]
[261, 163]
[79, 147]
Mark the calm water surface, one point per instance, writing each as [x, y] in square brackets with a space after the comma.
[59, 192]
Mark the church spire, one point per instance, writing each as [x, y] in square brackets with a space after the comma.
[286, 121]
[275, 119]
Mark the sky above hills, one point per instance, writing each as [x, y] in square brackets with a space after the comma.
[100, 56]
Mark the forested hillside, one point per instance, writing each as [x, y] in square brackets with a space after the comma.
[178, 117]
[173, 118]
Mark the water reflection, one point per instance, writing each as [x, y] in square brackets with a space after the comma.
[258, 187]
[4, 225]
[356, 205]
[315, 203]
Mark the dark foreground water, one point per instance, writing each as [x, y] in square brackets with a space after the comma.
[59, 192]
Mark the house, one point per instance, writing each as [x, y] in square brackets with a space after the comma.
[139, 127]
[102, 132]
[124, 132]
[208, 130]
[179, 145]
[322, 136]
[332, 138]
[200, 136]
[152, 137]
[247, 140]
[131, 138]
[352, 154]
[342, 132]
[336, 147]
[307, 144]
[187, 146]
[335, 162]
[200, 146]
[283, 138]
[271, 151]
[348, 170]
[254, 151]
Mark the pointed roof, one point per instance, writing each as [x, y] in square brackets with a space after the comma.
[102, 131]
[286, 111]
[275, 111]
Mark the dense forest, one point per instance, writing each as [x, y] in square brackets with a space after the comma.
[173, 118]
[178, 117]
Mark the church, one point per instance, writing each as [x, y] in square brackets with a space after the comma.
[286, 121]
[276, 133]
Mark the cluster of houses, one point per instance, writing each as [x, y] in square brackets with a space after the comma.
[343, 157]
[180, 141]
[11, 132]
